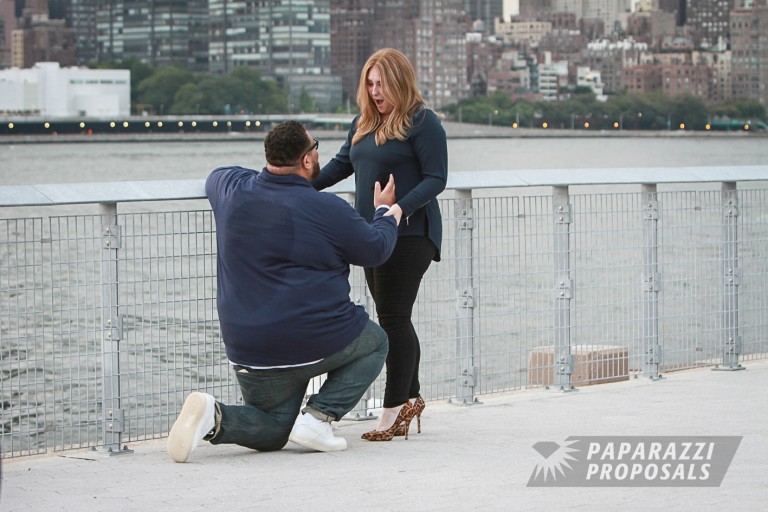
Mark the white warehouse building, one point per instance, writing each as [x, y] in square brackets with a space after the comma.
[49, 90]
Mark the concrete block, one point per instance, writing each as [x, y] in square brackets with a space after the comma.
[593, 364]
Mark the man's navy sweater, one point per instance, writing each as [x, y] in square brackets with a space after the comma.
[284, 251]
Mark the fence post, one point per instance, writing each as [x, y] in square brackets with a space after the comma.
[732, 344]
[111, 333]
[563, 358]
[651, 282]
[465, 300]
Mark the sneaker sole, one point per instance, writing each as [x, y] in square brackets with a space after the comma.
[184, 433]
[313, 443]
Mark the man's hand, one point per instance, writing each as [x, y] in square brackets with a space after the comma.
[387, 197]
[395, 211]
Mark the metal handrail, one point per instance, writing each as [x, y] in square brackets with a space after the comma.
[132, 191]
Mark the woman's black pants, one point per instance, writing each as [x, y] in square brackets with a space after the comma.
[394, 286]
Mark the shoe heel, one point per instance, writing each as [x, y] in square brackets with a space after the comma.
[419, 406]
[406, 423]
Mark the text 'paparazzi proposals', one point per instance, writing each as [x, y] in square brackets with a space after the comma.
[634, 461]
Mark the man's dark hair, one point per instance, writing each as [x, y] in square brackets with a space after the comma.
[286, 143]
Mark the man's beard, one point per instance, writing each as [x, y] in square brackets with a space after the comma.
[315, 170]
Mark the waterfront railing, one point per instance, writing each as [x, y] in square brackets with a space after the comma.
[551, 279]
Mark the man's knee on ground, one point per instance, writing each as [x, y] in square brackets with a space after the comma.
[275, 443]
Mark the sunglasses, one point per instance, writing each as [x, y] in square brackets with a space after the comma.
[315, 145]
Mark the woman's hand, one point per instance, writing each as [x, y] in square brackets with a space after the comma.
[387, 197]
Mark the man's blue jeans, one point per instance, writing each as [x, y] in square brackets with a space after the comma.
[273, 397]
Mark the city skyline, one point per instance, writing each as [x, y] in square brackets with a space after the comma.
[459, 48]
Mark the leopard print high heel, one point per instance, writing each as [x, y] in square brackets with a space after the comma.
[403, 420]
[418, 407]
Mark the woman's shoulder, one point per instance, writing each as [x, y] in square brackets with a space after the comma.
[426, 119]
[423, 113]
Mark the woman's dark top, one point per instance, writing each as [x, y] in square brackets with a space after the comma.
[419, 165]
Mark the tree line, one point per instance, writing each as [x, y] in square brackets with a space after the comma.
[175, 90]
[647, 111]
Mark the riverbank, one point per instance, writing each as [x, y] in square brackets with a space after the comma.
[454, 131]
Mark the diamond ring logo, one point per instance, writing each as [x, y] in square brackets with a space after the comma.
[556, 460]
[634, 461]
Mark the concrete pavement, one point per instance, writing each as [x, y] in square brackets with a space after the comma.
[466, 458]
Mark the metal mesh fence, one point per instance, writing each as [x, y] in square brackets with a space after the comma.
[753, 242]
[109, 320]
[167, 278]
[74, 296]
[691, 277]
[25, 397]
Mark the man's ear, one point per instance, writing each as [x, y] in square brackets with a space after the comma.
[306, 166]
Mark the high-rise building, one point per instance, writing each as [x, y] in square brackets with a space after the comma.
[288, 40]
[749, 48]
[676, 7]
[80, 17]
[223, 42]
[575, 7]
[8, 21]
[432, 33]
[351, 22]
[156, 32]
[5, 51]
[608, 11]
[37, 38]
[709, 20]
[32, 7]
[535, 9]
[486, 11]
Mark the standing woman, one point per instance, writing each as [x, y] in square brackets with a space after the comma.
[395, 133]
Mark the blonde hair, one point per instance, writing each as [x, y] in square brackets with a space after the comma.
[398, 86]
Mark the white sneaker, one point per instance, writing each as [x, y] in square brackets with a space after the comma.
[196, 419]
[318, 435]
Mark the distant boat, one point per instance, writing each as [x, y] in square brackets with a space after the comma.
[736, 124]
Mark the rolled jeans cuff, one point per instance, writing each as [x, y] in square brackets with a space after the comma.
[217, 427]
[318, 415]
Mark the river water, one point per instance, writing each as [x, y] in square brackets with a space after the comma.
[86, 162]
